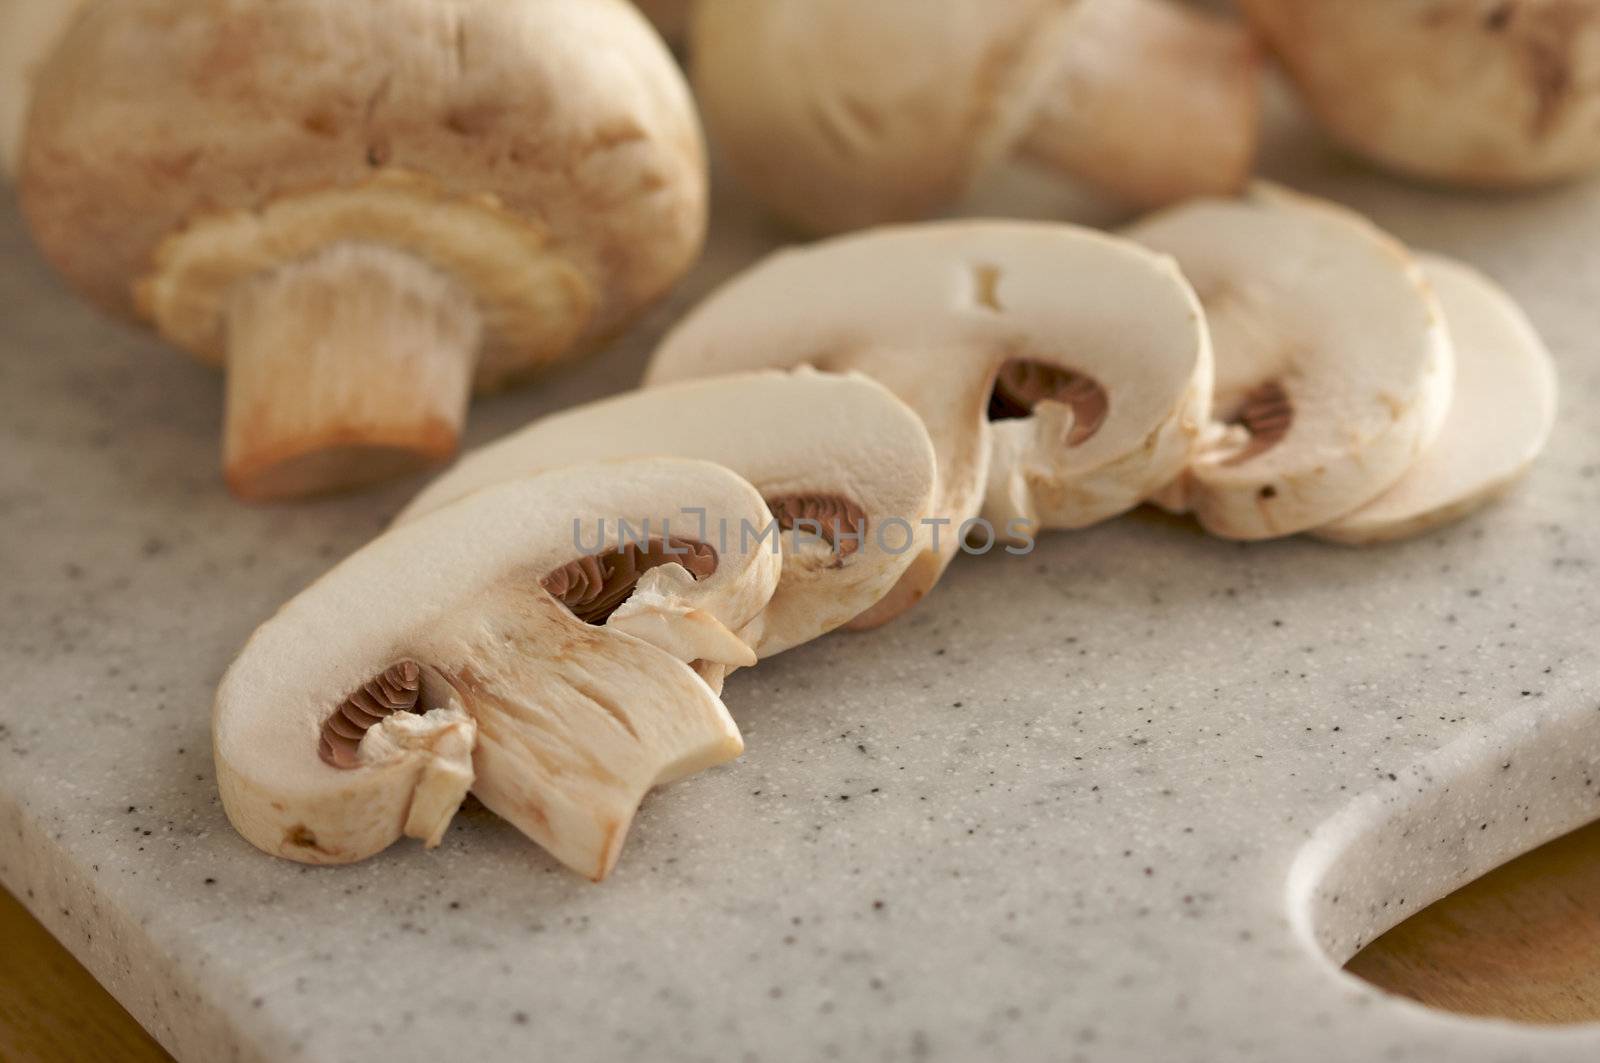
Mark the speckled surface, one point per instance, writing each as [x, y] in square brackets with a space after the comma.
[1133, 797]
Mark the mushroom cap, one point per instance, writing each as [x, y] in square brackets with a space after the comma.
[177, 146]
[29, 29]
[1500, 418]
[933, 312]
[1310, 300]
[840, 114]
[797, 436]
[1459, 91]
[572, 722]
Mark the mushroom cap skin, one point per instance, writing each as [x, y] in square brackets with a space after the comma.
[176, 147]
[558, 725]
[1462, 92]
[29, 30]
[1333, 368]
[841, 114]
[803, 439]
[1500, 419]
[934, 312]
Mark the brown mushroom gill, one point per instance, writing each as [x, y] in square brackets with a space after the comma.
[826, 515]
[1021, 384]
[1267, 413]
[594, 586]
[398, 689]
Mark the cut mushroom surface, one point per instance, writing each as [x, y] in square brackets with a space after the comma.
[1101, 342]
[840, 114]
[1476, 93]
[458, 651]
[1333, 368]
[846, 468]
[366, 210]
[1500, 418]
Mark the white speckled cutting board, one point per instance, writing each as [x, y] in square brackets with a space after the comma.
[1135, 797]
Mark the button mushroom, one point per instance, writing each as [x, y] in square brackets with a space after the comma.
[1500, 418]
[846, 468]
[1089, 352]
[29, 29]
[1333, 369]
[1480, 93]
[532, 642]
[840, 114]
[364, 209]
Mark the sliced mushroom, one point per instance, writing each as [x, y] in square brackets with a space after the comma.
[846, 468]
[447, 655]
[1101, 339]
[840, 114]
[1333, 368]
[366, 209]
[29, 29]
[1481, 93]
[1500, 419]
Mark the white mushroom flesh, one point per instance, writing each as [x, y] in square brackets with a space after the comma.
[1333, 368]
[936, 313]
[558, 725]
[1500, 419]
[846, 468]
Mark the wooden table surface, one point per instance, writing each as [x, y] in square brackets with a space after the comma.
[1521, 943]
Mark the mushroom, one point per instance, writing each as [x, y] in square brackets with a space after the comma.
[494, 645]
[845, 467]
[1333, 368]
[1500, 419]
[366, 209]
[1480, 93]
[840, 114]
[1089, 352]
[29, 30]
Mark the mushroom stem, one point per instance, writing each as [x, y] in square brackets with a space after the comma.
[345, 368]
[1153, 101]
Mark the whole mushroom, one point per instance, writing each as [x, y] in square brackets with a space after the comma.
[29, 29]
[364, 210]
[1064, 375]
[533, 643]
[1479, 93]
[839, 114]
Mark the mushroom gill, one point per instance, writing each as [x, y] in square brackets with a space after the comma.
[1267, 414]
[595, 585]
[398, 689]
[1021, 384]
[825, 515]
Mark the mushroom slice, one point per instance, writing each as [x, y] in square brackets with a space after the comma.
[448, 654]
[1097, 343]
[29, 29]
[1504, 408]
[367, 210]
[846, 468]
[1333, 368]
